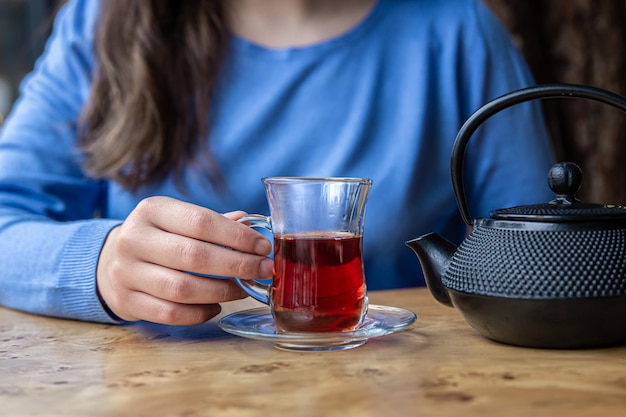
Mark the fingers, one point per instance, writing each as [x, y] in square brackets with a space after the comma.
[181, 287]
[145, 265]
[182, 300]
[166, 312]
[234, 215]
[202, 224]
[161, 295]
[185, 254]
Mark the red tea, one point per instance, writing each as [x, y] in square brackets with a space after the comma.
[318, 282]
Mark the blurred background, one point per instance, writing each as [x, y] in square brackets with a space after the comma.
[24, 27]
[578, 42]
[564, 41]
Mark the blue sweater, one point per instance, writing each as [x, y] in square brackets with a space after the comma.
[384, 100]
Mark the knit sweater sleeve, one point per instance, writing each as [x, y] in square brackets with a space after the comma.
[50, 231]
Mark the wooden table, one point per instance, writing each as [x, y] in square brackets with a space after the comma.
[439, 367]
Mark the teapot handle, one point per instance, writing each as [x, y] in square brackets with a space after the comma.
[508, 100]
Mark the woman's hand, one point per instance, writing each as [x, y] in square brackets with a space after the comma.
[141, 272]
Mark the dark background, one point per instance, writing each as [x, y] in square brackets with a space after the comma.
[579, 42]
[24, 27]
[564, 41]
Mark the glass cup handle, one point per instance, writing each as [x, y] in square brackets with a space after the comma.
[255, 289]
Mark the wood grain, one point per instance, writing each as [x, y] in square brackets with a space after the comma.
[439, 367]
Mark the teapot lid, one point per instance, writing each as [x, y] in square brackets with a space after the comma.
[564, 179]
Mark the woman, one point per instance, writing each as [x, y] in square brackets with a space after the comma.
[143, 121]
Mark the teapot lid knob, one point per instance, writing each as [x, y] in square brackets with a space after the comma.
[564, 179]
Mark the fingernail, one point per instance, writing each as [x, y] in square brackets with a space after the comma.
[262, 247]
[266, 269]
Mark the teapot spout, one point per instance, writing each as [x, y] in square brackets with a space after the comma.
[434, 253]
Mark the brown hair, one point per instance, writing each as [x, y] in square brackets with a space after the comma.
[148, 111]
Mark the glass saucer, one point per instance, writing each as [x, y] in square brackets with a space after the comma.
[258, 324]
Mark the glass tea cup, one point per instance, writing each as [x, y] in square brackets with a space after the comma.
[317, 226]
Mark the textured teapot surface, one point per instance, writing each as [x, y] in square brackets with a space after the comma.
[538, 262]
[558, 250]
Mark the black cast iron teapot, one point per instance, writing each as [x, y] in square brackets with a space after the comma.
[550, 275]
